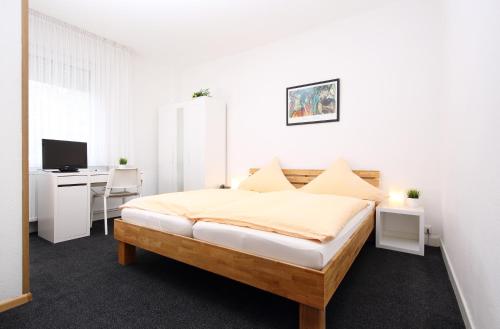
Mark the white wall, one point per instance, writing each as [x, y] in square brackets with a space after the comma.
[388, 61]
[152, 85]
[419, 102]
[471, 157]
[10, 144]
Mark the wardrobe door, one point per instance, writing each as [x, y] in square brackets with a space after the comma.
[215, 143]
[194, 145]
[168, 161]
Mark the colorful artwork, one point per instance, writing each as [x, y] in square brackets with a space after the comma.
[313, 103]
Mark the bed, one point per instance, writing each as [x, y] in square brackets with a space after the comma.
[308, 284]
[296, 251]
[162, 222]
[152, 215]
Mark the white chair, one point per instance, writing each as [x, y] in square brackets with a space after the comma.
[122, 183]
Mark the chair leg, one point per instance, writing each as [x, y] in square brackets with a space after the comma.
[105, 216]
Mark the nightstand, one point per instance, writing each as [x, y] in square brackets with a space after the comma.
[400, 228]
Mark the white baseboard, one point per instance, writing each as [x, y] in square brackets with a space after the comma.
[462, 304]
[434, 240]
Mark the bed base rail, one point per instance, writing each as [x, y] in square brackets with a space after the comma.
[311, 288]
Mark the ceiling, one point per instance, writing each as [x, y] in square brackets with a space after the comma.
[187, 31]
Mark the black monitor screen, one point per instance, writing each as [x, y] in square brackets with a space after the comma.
[57, 154]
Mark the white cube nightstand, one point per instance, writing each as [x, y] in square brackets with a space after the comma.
[400, 228]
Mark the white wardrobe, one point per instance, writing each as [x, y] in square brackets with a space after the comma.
[192, 145]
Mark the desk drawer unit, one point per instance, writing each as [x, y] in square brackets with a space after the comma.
[63, 206]
[72, 215]
[71, 180]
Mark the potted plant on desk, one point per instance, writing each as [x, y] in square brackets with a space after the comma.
[123, 163]
[413, 199]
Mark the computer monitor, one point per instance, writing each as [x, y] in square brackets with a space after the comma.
[63, 155]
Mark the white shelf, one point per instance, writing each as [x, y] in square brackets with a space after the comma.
[399, 208]
[400, 228]
[399, 244]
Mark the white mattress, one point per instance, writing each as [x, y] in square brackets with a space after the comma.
[292, 250]
[167, 223]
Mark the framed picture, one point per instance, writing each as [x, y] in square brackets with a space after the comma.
[312, 103]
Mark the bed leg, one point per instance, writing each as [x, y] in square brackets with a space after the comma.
[126, 253]
[311, 318]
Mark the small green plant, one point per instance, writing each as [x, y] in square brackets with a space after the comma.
[201, 93]
[123, 161]
[413, 194]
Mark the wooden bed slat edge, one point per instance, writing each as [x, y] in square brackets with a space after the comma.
[346, 256]
[300, 177]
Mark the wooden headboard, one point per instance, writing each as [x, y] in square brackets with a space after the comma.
[300, 177]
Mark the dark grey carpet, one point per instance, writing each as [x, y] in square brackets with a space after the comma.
[79, 284]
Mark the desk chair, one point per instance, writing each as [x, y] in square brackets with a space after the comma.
[127, 181]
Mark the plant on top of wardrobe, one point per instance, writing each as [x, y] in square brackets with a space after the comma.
[202, 92]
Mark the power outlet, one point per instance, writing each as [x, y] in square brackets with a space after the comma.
[431, 239]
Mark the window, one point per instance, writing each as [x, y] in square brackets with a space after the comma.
[79, 91]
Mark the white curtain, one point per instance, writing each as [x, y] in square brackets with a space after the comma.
[79, 91]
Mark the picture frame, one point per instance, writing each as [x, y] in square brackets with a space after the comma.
[310, 103]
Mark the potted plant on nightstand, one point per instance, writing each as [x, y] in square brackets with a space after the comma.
[123, 163]
[413, 199]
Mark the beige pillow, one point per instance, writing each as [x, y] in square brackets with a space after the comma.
[340, 180]
[267, 179]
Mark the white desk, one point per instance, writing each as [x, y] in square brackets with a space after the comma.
[63, 203]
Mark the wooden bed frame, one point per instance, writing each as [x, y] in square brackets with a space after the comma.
[311, 288]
